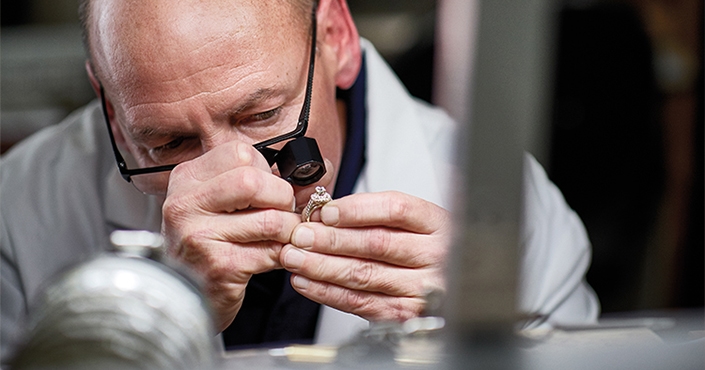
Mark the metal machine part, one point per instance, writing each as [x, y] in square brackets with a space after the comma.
[121, 310]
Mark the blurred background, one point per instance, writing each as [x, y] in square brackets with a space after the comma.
[626, 131]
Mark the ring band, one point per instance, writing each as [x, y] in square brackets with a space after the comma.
[318, 200]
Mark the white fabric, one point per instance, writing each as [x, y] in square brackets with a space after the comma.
[407, 137]
[62, 196]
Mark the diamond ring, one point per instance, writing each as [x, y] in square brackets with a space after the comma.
[318, 200]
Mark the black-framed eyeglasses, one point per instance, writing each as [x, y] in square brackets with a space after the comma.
[299, 161]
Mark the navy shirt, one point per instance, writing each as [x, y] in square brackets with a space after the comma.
[273, 313]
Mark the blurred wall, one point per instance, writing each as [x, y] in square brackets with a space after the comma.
[628, 146]
[42, 77]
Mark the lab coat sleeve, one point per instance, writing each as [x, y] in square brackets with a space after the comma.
[556, 255]
[13, 305]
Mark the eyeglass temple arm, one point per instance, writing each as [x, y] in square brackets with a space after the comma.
[122, 166]
[125, 172]
[302, 124]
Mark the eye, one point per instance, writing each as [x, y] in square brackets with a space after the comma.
[265, 115]
[174, 144]
[177, 150]
[261, 118]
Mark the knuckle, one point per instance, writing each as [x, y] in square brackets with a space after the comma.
[172, 205]
[438, 254]
[335, 241]
[361, 274]
[378, 243]
[174, 210]
[442, 248]
[250, 182]
[192, 250]
[405, 313]
[357, 300]
[170, 209]
[324, 291]
[399, 207]
[180, 171]
[399, 310]
[418, 310]
[271, 223]
[431, 255]
[219, 268]
[242, 152]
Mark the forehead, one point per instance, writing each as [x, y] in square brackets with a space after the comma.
[137, 41]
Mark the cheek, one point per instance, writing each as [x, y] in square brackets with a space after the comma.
[326, 127]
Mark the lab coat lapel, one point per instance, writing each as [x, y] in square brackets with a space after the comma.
[397, 154]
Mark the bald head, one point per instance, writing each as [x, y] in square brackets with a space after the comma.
[302, 7]
[289, 11]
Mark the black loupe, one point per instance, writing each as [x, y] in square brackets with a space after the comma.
[300, 162]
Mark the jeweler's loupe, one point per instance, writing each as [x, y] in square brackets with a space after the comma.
[299, 161]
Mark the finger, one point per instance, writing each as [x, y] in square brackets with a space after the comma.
[237, 189]
[219, 261]
[377, 243]
[392, 209]
[221, 159]
[355, 273]
[226, 269]
[371, 306]
[254, 225]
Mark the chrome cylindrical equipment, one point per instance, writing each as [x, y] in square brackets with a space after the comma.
[119, 311]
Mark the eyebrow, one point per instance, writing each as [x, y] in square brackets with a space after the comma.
[143, 134]
[252, 100]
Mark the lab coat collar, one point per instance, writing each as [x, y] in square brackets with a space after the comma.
[398, 157]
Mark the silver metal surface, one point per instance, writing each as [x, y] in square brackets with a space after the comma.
[119, 311]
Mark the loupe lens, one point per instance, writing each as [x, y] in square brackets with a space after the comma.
[300, 162]
[305, 171]
[308, 174]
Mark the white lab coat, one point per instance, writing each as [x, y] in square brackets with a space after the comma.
[62, 196]
[410, 149]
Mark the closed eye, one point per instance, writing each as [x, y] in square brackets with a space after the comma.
[179, 149]
[170, 145]
[261, 117]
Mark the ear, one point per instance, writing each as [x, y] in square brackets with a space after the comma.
[92, 78]
[337, 30]
[117, 132]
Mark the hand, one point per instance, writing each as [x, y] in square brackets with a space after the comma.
[227, 216]
[375, 255]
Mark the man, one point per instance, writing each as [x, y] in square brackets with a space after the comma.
[197, 83]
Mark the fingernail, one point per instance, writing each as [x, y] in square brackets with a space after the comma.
[294, 258]
[303, 237]
[330, 215]
[300, 282]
